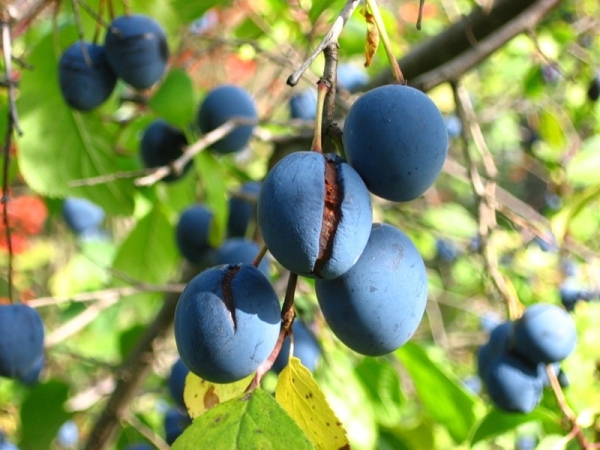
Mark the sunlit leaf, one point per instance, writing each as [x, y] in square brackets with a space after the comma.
[254, 419]
[215, 194]
[442, 395]
[298, 393]
[201, 395]
[60, 145]
[174, 100]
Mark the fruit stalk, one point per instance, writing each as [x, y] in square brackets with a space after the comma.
[322, 90]
[287, 319]
[396, 72]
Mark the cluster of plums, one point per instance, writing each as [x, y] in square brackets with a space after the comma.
[135, 50]
[314, 213]
[162, 143]
[512, 364]
[21, 343]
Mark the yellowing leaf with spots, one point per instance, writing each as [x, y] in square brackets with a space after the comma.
[298, 393]
[200, 395]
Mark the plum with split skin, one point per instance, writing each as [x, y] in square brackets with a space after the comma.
[227, 322]
[314, 213]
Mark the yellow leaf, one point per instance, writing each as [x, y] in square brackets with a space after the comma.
[372, 41]
[298, 393]
[200, 395]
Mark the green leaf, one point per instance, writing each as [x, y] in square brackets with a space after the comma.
[498, 422]
[254, 419]
[149, 253]
[191, 10]
[452, 219]
[584, 167]
[174, 99]
[560, 223]
[210, 173]
[551, 130]
[59, 144]
[382, 382]
[442, 395]
[42, 414]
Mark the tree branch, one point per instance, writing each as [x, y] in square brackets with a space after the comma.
[134, 371]
[469, 41]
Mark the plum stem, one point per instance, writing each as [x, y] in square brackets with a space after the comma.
[287, 319]
[332, 36]
[396, 72]
[261, 254]
[322, 89]
[420, 16]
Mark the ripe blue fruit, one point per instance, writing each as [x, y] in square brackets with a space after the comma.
[239, 250]
[227, 322]
[21, 340]
[222, 104]
[176, 421]
[242, 210]
[161, 145]
[594, 88]
[191, 233]
[377, 305]
[68, 434]
[499, 343]
[306, 348]
[351, 77]
[396, 139]
[136, 49]
[6, 444]
[177, 377]
[545, 334]
[82, 215]
[314, 213]
[304, 105]
[32, 376]
[85, 86]
[445, 251]
[514, 384]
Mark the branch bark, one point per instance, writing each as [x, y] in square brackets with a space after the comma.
[134, 371]
[467, 42]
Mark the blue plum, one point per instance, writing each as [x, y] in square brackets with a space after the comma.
[593, 91]
[304, 105]
[499, 343]
[239, 250]
[377, 305]
[242, 210]
[21, 340]
[191, 234]
[545, 334]
[5, 444]
[514, 384]
[222, 104]
[32, 376]
[161, 145]
[177, 377]
[453, 126]
[445, 250]
[314, 213]
[396, 139]
[351, 77]
[68, 434]
[176, 421]
[82, 215]
[136, 49]
[85, 86]
[227, 322]
[306, 348]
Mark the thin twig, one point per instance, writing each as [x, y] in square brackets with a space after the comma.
[205, 141]
[332, 36]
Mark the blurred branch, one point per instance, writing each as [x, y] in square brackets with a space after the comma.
[467, 42]
[134, 370]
